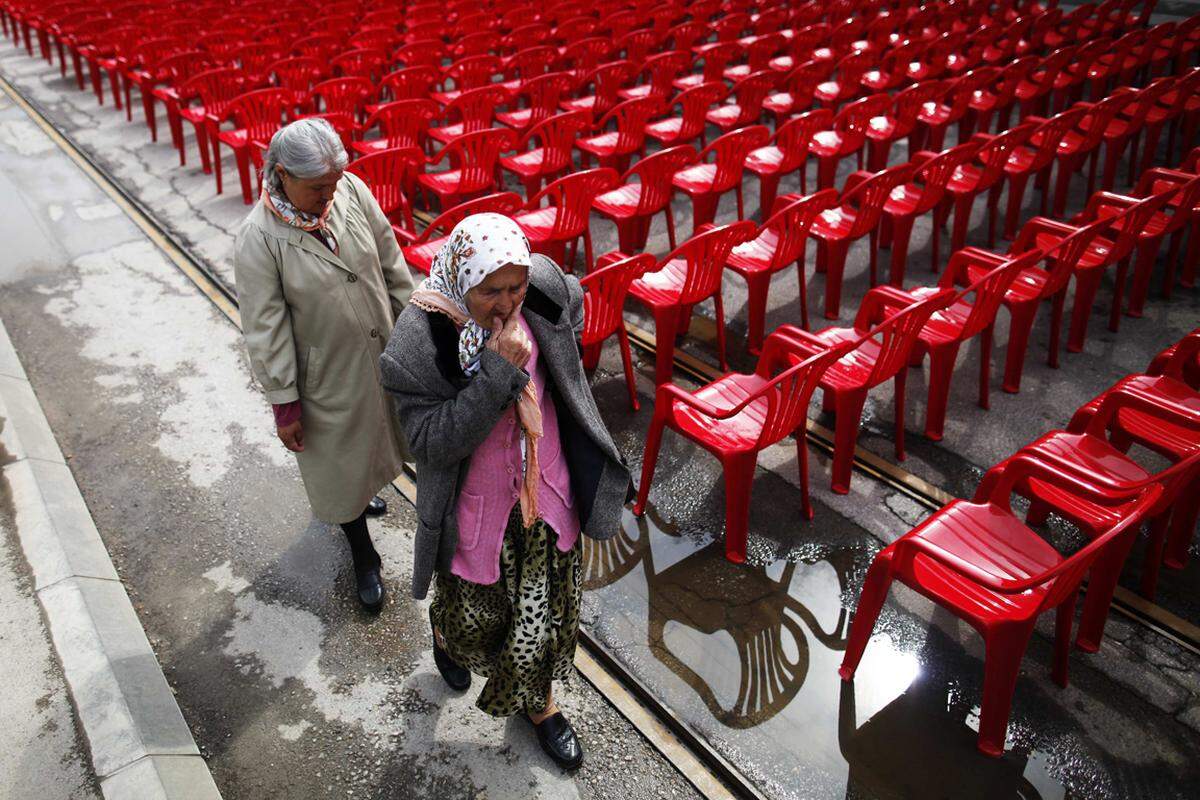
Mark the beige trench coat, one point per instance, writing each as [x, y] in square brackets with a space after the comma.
[314, 324]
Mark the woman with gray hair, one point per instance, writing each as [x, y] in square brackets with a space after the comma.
[320, 282]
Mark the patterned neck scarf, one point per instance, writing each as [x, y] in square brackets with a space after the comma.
[477, 247]
[276, 201]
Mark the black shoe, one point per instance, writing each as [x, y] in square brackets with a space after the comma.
[456, 677]
[371, 592]
[558, 739]
[377, 507]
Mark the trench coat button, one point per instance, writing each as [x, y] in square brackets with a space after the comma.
[352, 277]
[374, 333]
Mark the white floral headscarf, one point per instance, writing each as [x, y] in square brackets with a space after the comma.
[477, 247]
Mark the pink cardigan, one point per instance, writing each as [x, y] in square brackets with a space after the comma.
[487, 496]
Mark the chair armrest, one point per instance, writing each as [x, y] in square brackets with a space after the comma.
[957, 274]
[669, 392]
[1100, 199]
[1025, 239]
[854, 180]
[880, 303]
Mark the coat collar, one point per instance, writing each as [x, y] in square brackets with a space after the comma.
[306, 241]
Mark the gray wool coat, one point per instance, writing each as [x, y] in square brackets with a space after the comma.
[446, 416]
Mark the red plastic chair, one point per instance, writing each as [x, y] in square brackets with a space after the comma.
[779, 242]
[391, 176]
[401, 123]
[684, 277]
[1083, 144]
[215, 89]
[735, 417]
[556, 138]
[935, 118]
[787, 153]
[365, 62]
[419, 255]
[409, 83]
[527, 64]
[565, 219]
[1185, 215]
[972, 179]
[542, 95]
[473, 158]
[857, 216]
[631, 205]
[971, 313]
[257, 115]
[798, 87]
[846, 136]
[882, 340]
[1093, 456]
[758, 54]
[615, 148]
[178, 69]
[848, 85]
[912, 199]
[747, 105]
[582, 56]
[689, 124]
[705, 182]
[660, 70]
[900, 122]
[604, 292]
[716, 57]
[977, 560]
[1172, 108]
[474, 109]
[1127, 128]
[606, 80]
[345, 96]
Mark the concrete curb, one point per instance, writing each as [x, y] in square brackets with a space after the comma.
[140, 745]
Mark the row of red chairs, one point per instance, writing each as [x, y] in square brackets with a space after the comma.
[981, 562]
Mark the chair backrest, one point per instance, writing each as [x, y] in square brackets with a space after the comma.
[729, 153]
[387, 173]
[582, 56]
[685, 35]
[1137, 220]
[543, 92]
[750, 92]
[604, 292]
[704, 256]
[909, 102]
[1069, 252]
[404, 123]
[870, 196]
[506, 203]
[789, 393]
[1180, 361]
[343, 95]
[662, 68]
[473, 71]
[802, 82]
[996, 151]
[855, 118]
[474, 107]
[260, 113]
[607, 80]
[791, 224]
[761, 50]
[572, 195]
[717, 57]
[529, 62]
[794, 136]
[216, 88]
[694, 102]
[476, 154]
[638, 45]
[654, 173]
[365, 62]
[556, 135]
[296, 73]
[935, 173]
[1103, 113]
[411, 83]
[421, 53]
[630, 118]
[897, 334]
[989, 291]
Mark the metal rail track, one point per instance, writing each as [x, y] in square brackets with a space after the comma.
[707, 770]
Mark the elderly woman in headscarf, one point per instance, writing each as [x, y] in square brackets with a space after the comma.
[320, 282]
[513, 463]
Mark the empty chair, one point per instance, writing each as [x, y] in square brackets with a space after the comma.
[542, 94]
[736, 416]
[796, 90]
[971, 313]
[856, 216]
[473, 158]
[1083, 144]
[977, 560]
[471, 72]
[401, 123]
[1185, 214]
[779, 242]
[746, 106]
[631, 205]
[606, 80]
[786, 153]
[419, 254]
[900, 122]
[660, 70]
[256, 115]
[689, 274]
[204, 100]
[614, 148]
[688, 125]
[473, 109]
[716, 56]
[706, 181]
[604, 292]
[545, 149]
[846, 136]
[848, 83]
[391, 176]
[565, 219]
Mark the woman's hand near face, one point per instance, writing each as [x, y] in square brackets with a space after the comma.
[509, 341]
[292, 436]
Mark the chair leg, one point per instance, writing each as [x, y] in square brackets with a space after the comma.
[1064, 616]
[768, 188]
[835, 265]
[806, 508]
[1154, 557]
[591, 355]
[849, 407]
[1114, 311]
[874, 593]
[704, 209]
[1016, 196]
[719, 308]
[627, 362]
[739, 478]
[1087, 282]
[901, 234]
[1102, 582]
[1018, 342]
[985, 366]
[801, 269]
[666, 324]
[1183, 528]
[670, 228]
[650, 459]
[1005, 646]
[899, 395]
[757, 286]
[941, 369]
[1143, 267]
[962, 221]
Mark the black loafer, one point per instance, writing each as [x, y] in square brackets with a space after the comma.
[456, 677]
[377, 507]
[558, 739]
[371, 592]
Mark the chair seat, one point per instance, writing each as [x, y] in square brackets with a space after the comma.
[934, 114]
[538, 225]
[666, 129]
[884, 129]
[756, 255]
[1097, 253]
[445, 98]
[780, 103]
[696, 179]
[834, 223]
[236, 139]
[827, 144]
[965, 178]
[1175, 441]
[661, 288]
[635, 92]
[532, 162]
[619, 203]
[604, 144]
[724, 116]
[420, 256]
[853, 370]
[765, 160]
[518, 119]
[997, 543]
[904, 200]
[447, 132]
[946, 324]
[782, 63]
[738, 433]
[688, 81]
[578, 103]
[736, 72]
[1151, 229]
[447, 182]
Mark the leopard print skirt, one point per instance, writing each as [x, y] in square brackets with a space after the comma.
[520, 631]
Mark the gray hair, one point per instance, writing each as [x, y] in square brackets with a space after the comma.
[307, 148]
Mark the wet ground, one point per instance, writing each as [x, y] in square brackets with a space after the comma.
[246, 600]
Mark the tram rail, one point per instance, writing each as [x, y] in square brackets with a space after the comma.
[707, 770]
